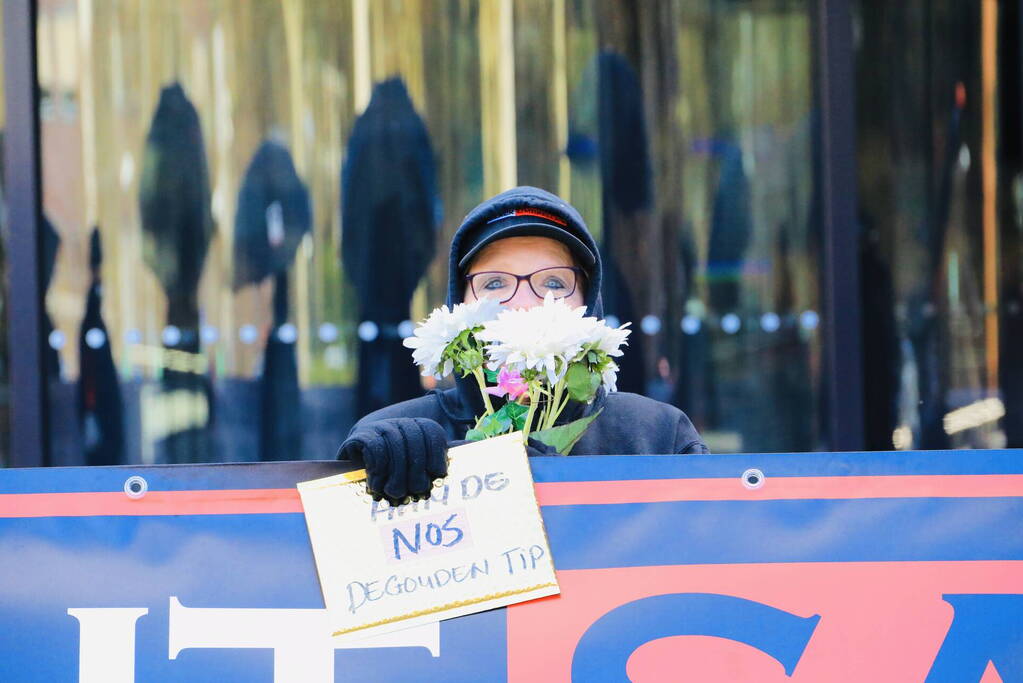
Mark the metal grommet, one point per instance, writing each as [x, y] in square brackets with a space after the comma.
[135, 487]
[753, 479]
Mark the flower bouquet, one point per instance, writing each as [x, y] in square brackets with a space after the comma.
[537, 359]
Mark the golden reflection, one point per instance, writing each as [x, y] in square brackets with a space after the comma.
[509, 91]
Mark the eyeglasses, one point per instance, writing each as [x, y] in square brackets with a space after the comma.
[559, 281]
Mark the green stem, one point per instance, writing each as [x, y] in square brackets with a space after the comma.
[534, 398]
[481, 379]
[541, 393]
[561, 409]
[553, 407]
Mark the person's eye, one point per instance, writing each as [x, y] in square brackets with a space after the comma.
[493, 284]
[554, 284]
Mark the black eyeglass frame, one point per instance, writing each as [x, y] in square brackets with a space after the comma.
[528, 278]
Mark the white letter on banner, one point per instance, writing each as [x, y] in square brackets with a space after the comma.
[300, 638]
[106, 649]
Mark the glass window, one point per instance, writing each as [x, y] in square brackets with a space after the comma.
[940, 208]
[253, 198]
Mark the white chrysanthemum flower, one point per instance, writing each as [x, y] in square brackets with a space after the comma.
[543, 338]
[609, 377]
[610, 339]
[475, 313]
[429, 340]
[433, 335]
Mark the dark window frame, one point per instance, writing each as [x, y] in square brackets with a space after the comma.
[29, 445]
[835, 84]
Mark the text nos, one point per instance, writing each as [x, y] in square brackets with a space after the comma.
[427, 536]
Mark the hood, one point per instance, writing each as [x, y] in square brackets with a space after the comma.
[525, 197]
[465, 403]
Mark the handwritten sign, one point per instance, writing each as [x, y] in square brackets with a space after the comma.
[476, 544]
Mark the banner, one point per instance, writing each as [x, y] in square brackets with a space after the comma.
[802, 567]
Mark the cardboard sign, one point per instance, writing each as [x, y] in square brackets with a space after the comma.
[477, 544]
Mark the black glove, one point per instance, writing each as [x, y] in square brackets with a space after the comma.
[402, 456]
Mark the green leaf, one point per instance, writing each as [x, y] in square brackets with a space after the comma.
[516, 413]
[472, 359]
[475, 435]
[563, 437]
[513, 414]
[491, 375]
[582, 384]
[513, 410]
[591, 357]
[494, 425]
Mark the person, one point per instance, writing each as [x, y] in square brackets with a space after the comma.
[515, 247]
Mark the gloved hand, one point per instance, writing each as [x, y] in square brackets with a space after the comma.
[402, 456]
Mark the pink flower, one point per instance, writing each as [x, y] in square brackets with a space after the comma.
[509, 382]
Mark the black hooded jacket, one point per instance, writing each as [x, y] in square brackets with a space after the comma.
[630, 424]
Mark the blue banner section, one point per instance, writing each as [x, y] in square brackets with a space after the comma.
[93, 591]
[729, 532]
[167, 477]
[781, 635]
[605, 468]
[545, 469]
[50, 565]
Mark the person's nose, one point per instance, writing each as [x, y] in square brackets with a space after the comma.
[524, 298]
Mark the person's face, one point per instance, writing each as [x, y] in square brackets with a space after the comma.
[521, 256]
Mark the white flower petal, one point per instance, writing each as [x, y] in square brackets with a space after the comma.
[548, 337]
[433, 335]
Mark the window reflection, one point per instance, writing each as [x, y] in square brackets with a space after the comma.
[100, 407]
[274, 215]
[940, 250]
[390, 212]
[272, 182]
[174, 206]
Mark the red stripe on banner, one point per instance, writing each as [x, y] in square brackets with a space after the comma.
[781, 488]
[275, 501]
[89, 504]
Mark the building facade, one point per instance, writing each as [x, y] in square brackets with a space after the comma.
[222, 216]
